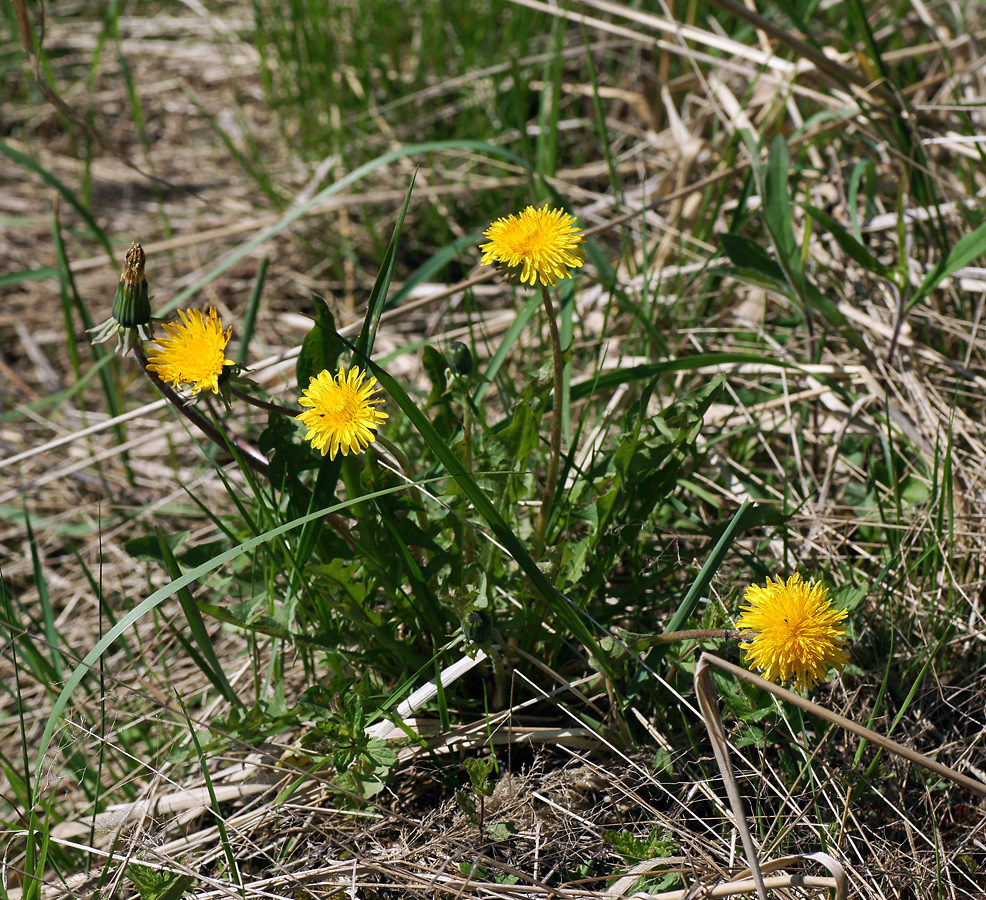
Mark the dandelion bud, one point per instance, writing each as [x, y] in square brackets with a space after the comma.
[460, 358]
[477, 626]
[131, 305]
[130, 321]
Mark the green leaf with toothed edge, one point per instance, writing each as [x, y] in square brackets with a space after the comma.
[558, 603]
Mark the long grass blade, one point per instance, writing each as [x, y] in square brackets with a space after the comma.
[336, 187]
[484, 506]
[378, 296]
[155, 600]
[196, 624]
[28, 163]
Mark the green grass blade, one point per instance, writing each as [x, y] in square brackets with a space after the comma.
[711, 566]
[517, 84]
[963, 253]
[862, 169]
[17, 693]
[877, 710]
[24, 160]
[54, 401]
[28, 275]
[702, 581]
[336, 187]
[506, 344]
[196, 625]
[256, 169]
[852, 247]
[108, 373]
[559, 604]
[609, 279]
[433, 266]
[378, 296]
[155, 600]
[44, 598]
[777, 203]
[227, 846]
[615, 182]
[546, 151]
[645, 372]
[909, 699]
[250, 314]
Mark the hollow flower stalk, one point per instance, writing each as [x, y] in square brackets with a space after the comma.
[539, 246]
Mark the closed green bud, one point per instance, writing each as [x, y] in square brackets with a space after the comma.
[130, 321]
[477, 626]
[460, 358]
[132, 305]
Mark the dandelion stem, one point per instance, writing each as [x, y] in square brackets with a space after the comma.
[467, 550]
[250, 454]
[262, 404]
[541, 528]
[694, 634]
[397, 453]
[499, 677]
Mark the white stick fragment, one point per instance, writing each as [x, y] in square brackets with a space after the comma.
[425, 694]
[708, 700]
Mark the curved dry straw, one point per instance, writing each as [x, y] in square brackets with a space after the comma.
[709, 703]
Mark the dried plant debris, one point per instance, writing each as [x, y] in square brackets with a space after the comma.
[770, 363]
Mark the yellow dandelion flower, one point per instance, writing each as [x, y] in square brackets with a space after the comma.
[342, 416]
[194, 352]
[538, 243]
[796, 632]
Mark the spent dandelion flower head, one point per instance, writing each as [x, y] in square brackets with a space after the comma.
[131, 305]
[130, 319]
[796, 632]
[193, 352]
[342, 413]
[536, 244]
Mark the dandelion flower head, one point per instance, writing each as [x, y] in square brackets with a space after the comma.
[538, 243]
[796, 633]
[341, 415]
[193, 352]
